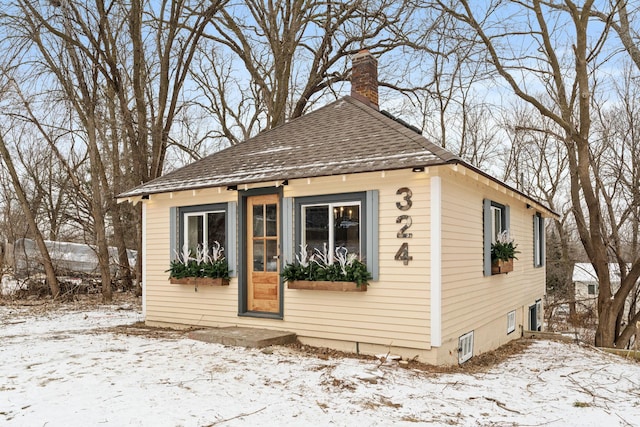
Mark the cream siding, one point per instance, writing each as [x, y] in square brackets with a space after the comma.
[393, 312]
[471, 301]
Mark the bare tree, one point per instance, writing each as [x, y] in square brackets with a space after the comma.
[538, 165]
[50, 272]
[119, 69]
[563, 65]
[617, 162]
[270, 61]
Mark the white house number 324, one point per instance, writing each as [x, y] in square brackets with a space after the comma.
[404, 219]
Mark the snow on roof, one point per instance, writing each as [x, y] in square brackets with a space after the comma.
[584, 272]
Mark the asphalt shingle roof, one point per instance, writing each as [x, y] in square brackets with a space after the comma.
[343, 137]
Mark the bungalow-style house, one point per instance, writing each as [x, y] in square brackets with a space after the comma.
[349, 177]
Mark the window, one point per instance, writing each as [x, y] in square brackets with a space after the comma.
[535, 316]
[592, 288]
[495, 221]
[511, 322]
[465, 347]
[334, 221]
[202, 227]
[497, 213]
[538, 240]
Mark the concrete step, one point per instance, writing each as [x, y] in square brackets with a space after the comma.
[243, 337]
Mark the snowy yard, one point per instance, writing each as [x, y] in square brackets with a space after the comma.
[66, 368]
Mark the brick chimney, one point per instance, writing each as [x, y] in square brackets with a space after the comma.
[364, 78]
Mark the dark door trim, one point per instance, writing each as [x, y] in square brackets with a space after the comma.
[242, 252]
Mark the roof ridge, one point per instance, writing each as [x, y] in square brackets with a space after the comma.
[416, 136]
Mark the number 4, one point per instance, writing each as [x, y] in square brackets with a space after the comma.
[403, 254]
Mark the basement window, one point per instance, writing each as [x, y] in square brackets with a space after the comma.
[465, 347]
[511, 322]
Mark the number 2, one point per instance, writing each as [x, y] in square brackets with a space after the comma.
[401, 234]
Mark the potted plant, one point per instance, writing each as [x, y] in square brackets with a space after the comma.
[316, 271]
[202, 269]
[503, 252]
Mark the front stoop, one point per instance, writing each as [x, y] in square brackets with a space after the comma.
[243, 337]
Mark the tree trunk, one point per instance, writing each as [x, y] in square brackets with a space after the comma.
[52, 280]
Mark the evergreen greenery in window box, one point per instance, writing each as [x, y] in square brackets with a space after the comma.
[503, 252]
[203, 269]
[317, 271]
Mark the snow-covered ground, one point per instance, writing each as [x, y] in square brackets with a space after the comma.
[63, 368]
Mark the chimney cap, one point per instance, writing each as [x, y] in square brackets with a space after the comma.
[363, 52]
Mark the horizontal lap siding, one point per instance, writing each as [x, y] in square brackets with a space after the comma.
[179, 304]
[469, 299]
[394, 310]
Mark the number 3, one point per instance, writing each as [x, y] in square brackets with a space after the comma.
[407, 198]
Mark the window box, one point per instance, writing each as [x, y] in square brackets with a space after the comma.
[327, 286]
[503, 252]
[206, 268]
[346, 273]
[199, 281]
[499, 266]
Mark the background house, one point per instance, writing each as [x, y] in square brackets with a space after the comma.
[349, 175]
[586, 285]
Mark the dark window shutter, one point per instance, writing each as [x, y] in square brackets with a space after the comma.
[173, 234]
[231, 248]
[486, 221]
[543, 250]
[287, 245]
[372, 233]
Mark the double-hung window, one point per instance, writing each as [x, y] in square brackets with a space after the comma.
[331, 222]
[202, 228]
[347, 220]
[495, 220]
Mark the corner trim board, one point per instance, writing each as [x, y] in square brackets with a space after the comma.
[436, 261]
[142, 257]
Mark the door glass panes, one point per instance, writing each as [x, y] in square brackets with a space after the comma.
[272, 220]
[272, 255]
[316, 228]
[258, 221]
[258, 256]
[265, 234]
[346, 228]
[195, 233]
